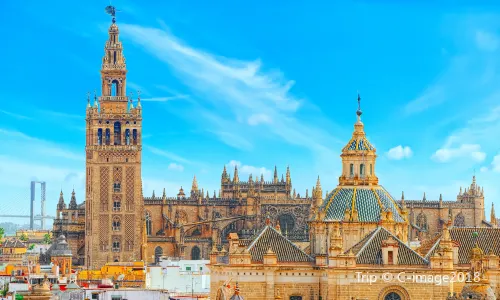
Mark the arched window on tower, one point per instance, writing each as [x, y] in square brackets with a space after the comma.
[149, 223]
[459, 220]
[116, 224]
[114, 88]
[362, 170]
[118, 133]
[127, 136]
[134, 136]
[114, 57]
[351, 170]
[99, 136]
[108, 136]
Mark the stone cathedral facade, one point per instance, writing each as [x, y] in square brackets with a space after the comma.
[116, 222]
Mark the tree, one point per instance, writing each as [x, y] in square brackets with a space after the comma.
[47, 239]
[2, 232]
[24, 237]
[31, 247]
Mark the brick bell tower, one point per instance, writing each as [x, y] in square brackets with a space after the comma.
[114, 202]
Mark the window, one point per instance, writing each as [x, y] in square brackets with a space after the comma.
[114, 297]
[116, 246]
[117, 187]
[134, 136]
[99, 136]
[351, 170]
[127, 136]
[108, 136]
[116, 224]
[149, 224]
[362, 169]
[117, 205]
[390, 257]
[371, 169]
[117, 133]
[188, 268]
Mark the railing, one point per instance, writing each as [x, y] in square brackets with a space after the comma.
[117, 208]
[114, 98]
[114, 147]
[115, 249]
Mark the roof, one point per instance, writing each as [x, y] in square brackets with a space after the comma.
[368, 201]
[368, 251]
[488, 239]
[359, 143]
[285, 250]
[13, 243]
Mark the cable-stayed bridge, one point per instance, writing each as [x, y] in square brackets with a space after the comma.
[6, 211]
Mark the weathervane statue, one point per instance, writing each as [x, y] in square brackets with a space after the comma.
[111, 10]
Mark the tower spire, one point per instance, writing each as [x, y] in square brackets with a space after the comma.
[194, 186]
[493, 219]
[275, 174]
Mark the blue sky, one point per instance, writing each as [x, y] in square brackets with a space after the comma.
[258, 85]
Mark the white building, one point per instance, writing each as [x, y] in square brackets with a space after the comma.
[180, 276]
[125, 294]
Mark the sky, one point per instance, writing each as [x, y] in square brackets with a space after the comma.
[257, 85]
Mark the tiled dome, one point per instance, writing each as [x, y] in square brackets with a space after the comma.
[370, 203]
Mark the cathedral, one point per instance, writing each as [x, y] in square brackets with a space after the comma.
[269, 240]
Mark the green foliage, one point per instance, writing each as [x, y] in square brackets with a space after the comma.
[19, 297]
[2, 232]
[24, 237]
[5, 289]
[31, 247]
[47, 239]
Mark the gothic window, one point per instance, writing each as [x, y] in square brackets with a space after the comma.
[351, 170]
[390, 257]
[362, 169]
[118, 133]
[114, 57]
[195, 253]
[116, 245]
[127, 136]
[116, 224]
[392, 296]
[459, 220]
[117, 205]
[134, 136]
[108, 136]
[287, 223]
[99, 136]
[149, 225]
[116, 187]
[295, 297]
[422, 221]
[158, 254]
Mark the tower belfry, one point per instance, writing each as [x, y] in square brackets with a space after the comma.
[114, 202]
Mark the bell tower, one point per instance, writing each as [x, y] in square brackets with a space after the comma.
[114, 202]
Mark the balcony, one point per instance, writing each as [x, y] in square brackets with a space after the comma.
[115, 249]
[114, 98]
[117, 208]
[116, 228]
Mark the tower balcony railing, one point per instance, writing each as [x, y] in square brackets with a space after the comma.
[114, 147]
[114, 98]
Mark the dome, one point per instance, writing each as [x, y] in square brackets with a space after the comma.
[362, 204]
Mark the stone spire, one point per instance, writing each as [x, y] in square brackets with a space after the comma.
[194, 185]
[275, 180]
[164, 196]
[288, 178]
[493, 218]
[403, 204]
[236, 178]
[224, 174]
[72, 202]
[61, 205]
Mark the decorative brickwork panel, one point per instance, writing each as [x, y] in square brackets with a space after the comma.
[129, 232]
[129, 188]
[104, 235]
[117, 174]
[105, 184]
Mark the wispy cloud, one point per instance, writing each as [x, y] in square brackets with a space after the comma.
[168, 155]
[175, 167]
[20, 143]
[449, 152]
[165, 99]
[399, 152]
[17, 116]
[486, 40]
[243, 89]
[431, 97]
[247, 170]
